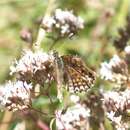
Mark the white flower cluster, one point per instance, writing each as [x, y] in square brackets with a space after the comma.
[117, 104]
[117, 101]
[30, 62]
[33, 66]
[117, 121]
[74, 118]
[64, 21]
[116, 70]
[15, 95]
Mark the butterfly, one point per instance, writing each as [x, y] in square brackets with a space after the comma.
[74, 73]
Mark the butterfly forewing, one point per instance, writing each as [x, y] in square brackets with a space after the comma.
[77, 76]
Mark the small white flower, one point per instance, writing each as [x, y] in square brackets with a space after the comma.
[127, 49]
[74, 98]
[106, 72]
[64, 29]
[20, 126]
[48, 23]
[113, 118]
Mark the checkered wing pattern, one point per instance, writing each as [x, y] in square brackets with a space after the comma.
[78, 77]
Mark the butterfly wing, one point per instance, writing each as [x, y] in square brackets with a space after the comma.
[77, 76]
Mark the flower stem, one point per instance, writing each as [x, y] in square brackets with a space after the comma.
[42, 32]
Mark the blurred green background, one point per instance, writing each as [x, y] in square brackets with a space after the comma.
[94, 43]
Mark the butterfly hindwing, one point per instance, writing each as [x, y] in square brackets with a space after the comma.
[77, 76]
